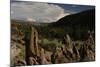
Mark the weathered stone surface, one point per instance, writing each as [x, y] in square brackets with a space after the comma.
[87, 51]
[36, 54]
[32, 45]
[33, 61]
[43, 58]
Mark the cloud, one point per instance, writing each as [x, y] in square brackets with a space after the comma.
[32, 11]
[62, 15]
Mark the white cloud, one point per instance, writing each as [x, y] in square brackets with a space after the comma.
[30, 19]
[40, 12]
[62, 15]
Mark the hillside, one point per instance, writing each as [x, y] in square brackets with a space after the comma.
[76, 25]
[83, 19]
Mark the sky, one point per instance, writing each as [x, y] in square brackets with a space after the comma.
[43, 12]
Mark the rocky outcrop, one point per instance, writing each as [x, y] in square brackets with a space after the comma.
[87, 51]
[35, 54]
[32, 46]
[70, 53]
[16, 44]
[67, 53]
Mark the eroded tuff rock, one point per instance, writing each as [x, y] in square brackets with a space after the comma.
[87, 50]
[70, 53]
[16, 44]
[34, 54]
